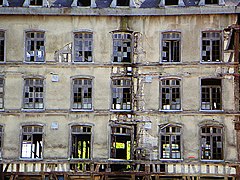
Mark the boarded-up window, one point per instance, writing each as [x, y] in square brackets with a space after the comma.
[35, 47]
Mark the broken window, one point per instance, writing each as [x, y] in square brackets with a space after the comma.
[211, 94]
[83, 42]
[121, 94]
[170, 94]
[32, 142]
[122, 47]
[211, 1]
[170, 142]
[122, 142]
[1, 93]
[82, 94]
[84, 2]
[171, 47]
[212, 143]
[35, 48]
[211, 47]
[36, 2]
[171, 2]
[33, 93]
[123, 2]
[81, 141]
[2, 43]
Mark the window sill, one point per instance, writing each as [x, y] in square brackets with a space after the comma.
[81, 110]
[32, 110]
[169, 63]
[120, 110]
[34, 62]
[211, 160]
[82, 62]
[30, 159]
[171, 160]
[162, 110]
[120, 63]
[211, 111]
[78, 159]
[211, 62]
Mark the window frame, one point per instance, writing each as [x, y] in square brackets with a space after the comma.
[91, 78]
[35, 48]
[221, 60]
[170, 87]
[89, 125]
[170, 134]
[35, 4]
[4, 45]
[122, 87]
[211, 87]
[179, 40]
[22, 133]
[218, 126]
[125, 40]
[43, 92]
[74, 46]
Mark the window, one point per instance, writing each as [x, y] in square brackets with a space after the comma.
[83, 42]
[212, 143]
[81, 141]
[82, 94]
[33, 93]
[84, 3]
[121, 94]
[170, 143]
[32, 142]
[1, 2]
[170, 94]
[211, 47]
[1, 93]
[122, 47]
[211, 1]
[35, 48]
[171, 2]
[171, 47]
[211, 94]
[2, 44]
[36, 2]
[123, 2]
[1, 139]
[121, 142]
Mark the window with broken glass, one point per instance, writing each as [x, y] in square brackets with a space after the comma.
[211, 47]
[211, 94]
[211, 1]
[171, 42]
[1, 139]
[170, 94]
[32, 142]
[35, 2]
[35, 47]
[2, 48]
[212, 143]
[1, 93]
[121, 142]
[122, 47]
[81, 141]
[121, 94]
[33, 93]
[82, 94]
[83, 42]
[170, 143]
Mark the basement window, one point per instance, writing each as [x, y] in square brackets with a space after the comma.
[82, 94]
[33, 93]
[123, 2]
[1, 93]
[211, 94]
[2, 46]
[171, 2]
[81, 141]
[211, 46]
[211, 1]
[171, 43]
[122, 142]
[121, 94]
[83, 42]
[35, 48]
[170, 94]
[36, 2]
[122, 47]
[170, 143]
[84, 3]
[32, 142]
[212, 143]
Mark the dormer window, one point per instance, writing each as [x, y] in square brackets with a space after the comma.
[171, 2]
[211, 1]
[36, 2]
[1, 2]
[84, 3]
[122, 2]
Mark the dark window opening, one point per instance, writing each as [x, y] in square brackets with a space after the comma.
[2, 39]
[84, 3]
[211, 1]
[36, 2]
[81, 142]
[211, 94]
[123, 2]
[32, 142]
[212, 143]
[171, 2]
[1, 2]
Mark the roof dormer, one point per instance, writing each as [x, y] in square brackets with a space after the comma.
[171, 3]
[123, 3]
[211, 2]
[4, 3]
[84, 3]
[36, 3]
